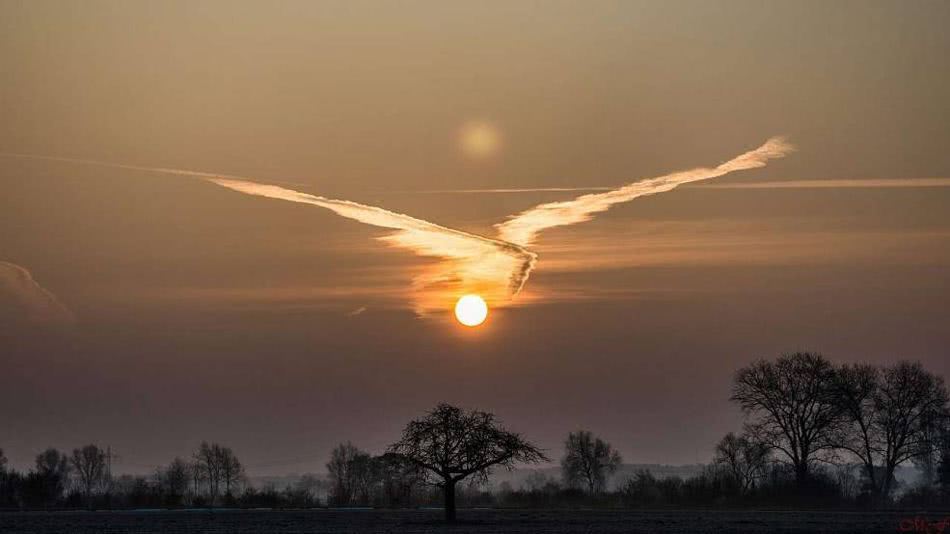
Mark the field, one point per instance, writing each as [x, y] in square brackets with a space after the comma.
[476, 521]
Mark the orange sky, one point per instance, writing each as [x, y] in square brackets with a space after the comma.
[230, 317]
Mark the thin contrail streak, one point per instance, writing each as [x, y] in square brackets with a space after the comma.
[159, 170]
[848, 183]
[836, 183]
[499, 191]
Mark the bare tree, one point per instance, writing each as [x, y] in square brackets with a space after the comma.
[197, 475]
[173, 481]
[588, 461]
[892, 414]
[344, 460]
[943, 465]
[232, 472]
[744, 458]
[908, 400]
[52, 469]
[365, 476]
[452, 444]
[856, 387]
[791, 406]
[90, 466]
[51, 461]
[399, 478]
[207, 461]
[9, 484]
[216, 465]
[935, 431]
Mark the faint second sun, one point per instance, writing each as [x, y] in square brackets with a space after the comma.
[479, 139]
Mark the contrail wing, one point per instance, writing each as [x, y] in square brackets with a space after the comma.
[485, 258]
[472, 262]
[524, 227]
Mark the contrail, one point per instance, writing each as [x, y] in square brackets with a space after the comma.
[159, 170]
[496, 268]
[833, 183]
[500, 190]
[38, 303]
[472, 262]
[524, 227]
[422, 237]
[846, 183]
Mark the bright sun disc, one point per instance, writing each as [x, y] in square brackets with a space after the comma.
[471, 310]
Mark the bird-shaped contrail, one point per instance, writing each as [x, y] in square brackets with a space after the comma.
[495, 267]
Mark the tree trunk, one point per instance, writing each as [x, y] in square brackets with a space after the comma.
[886, 483]
[449, 501]
[872, 480]
[801, 473]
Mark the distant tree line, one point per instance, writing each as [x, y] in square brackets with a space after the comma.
[815, 434]
[83, 479]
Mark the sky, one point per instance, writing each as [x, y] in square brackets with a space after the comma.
[150, 311]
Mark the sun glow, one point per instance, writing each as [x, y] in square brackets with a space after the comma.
[471, 310]
[479, 139]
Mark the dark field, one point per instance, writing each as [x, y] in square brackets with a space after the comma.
[419, 521]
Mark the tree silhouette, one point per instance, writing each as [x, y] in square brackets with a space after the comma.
[89, 463]
[216, 465]
[745, 459]
[398, 478]
[890, 413]
[943, 467]
[208, 468]
[232, 471]
[792, 406]
[588, 460]
[51, 475]
[908, 400]
[173, 481]
[345, 462]
[856, 387]
[452, 444]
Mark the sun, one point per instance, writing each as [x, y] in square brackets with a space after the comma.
[471, 310]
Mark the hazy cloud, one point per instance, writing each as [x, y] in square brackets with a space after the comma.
[739, 242]
[36, 303]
